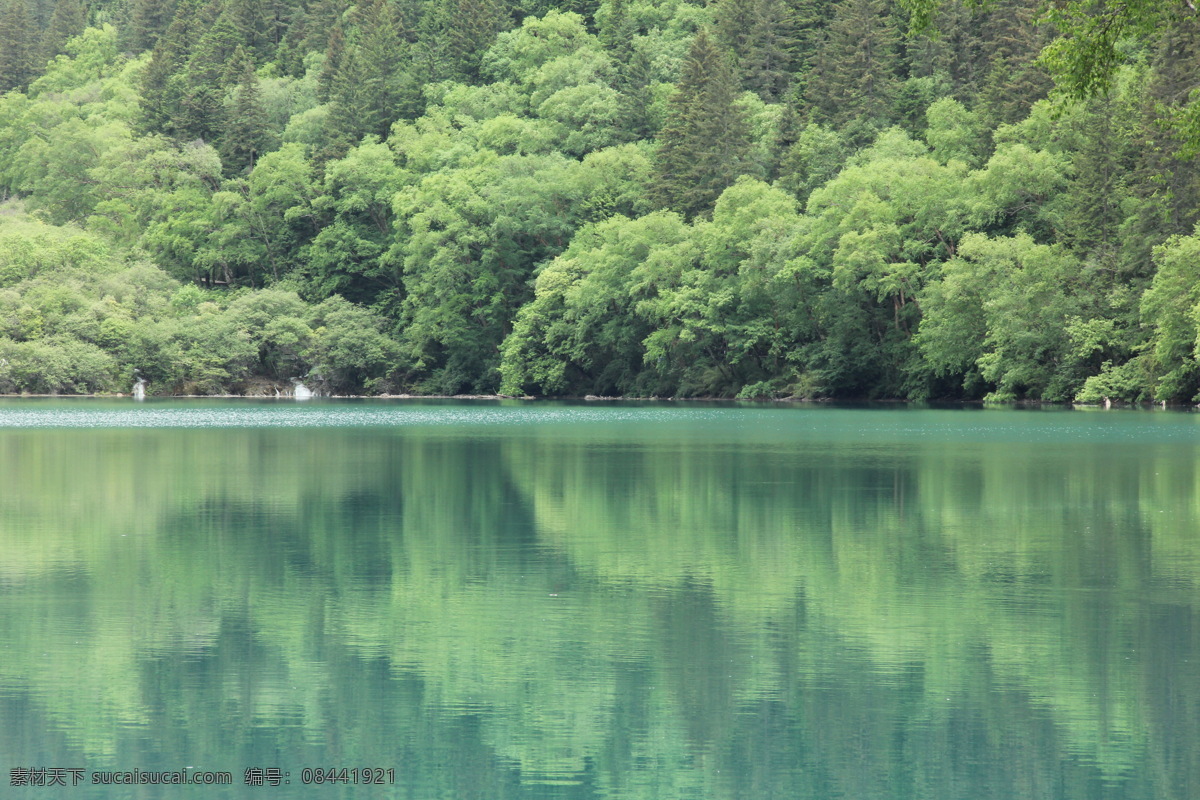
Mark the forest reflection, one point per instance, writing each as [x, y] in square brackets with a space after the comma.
[560, 613]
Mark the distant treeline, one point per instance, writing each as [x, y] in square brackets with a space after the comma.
[760, 198]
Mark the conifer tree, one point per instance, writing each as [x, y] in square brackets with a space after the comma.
[808, 19]
[1171, 158]
[733, 21]
[616, 32]
[150, 21]
[1103, 160]
[335, 56]
[1012, 81]
[278, 16]
[766, 66]
[290, 53]
[476, 24]
[159, 102]
[637, 95]
[254, 25]
[854, 74]
[321, 18]
[17, 56]
[210, 71]
[760, 35]
[431, 52]
[387, 88]
[68, 21]
[245, 137]
[632, 73]
[454, 35]
[704, 143]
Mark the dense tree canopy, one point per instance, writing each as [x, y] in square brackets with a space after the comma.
[815, 198]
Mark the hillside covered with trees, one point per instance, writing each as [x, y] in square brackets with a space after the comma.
[756, 198]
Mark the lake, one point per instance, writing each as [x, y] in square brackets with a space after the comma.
[546, 600]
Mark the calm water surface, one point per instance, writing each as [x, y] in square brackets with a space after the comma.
[602, 601]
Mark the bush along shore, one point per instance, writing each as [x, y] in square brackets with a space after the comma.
[626, 198]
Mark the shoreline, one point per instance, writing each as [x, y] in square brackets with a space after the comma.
[618, 399]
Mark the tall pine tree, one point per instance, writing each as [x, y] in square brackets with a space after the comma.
[245, 137]
[68, 21]
[159, 100]
[209, 73]
[704, 144]
[150, 20]
[853, 79]
[388, 89]
[17, 53]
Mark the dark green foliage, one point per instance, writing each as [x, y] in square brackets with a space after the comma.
[703, 145]
[853, 82]
[1014, 81]
[68, 21]
[387, 91]
[210, 71]
[334, 66]
[245, 137]
[453, 35]
[18, 46]
[760, 34]
[161, 89]
[150, 20]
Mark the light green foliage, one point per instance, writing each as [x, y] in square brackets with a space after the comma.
[55, 169]
[508, 135]
[518, 55]
[477, 102]
[80, 110]
[140, 176]
[815, 157]
[562, 77]
[470, 240]
[1020, 189]
[580, 333]
[349, 351]
[1004, 306]
[589, 115]
[1170, 308]
[885, 220]
[308, 128]
[346, 256]
[763, 120]
[171, 196]
[718, 317]
[75, 317]
[586, 65]
[49, 366]
[880, 231]
[93, 56]
[953, 132]
[1085, 59]
[650, 305]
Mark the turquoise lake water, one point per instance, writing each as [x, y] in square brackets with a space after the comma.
[546, 600]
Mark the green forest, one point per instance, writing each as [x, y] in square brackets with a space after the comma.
[655, 198]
